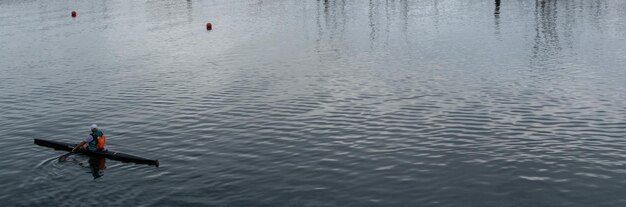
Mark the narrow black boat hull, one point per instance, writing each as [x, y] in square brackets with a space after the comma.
[107, 154]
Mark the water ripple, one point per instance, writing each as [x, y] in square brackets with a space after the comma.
[344, 103]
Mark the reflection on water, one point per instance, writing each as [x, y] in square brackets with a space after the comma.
[97, 165]
[497, 11]
[372, 19]
[318, 103]
[330, 20]
[497, 19]
[546, 42]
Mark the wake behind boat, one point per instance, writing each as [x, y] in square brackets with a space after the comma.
[107, 153]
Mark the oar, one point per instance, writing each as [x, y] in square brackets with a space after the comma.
[64, 157]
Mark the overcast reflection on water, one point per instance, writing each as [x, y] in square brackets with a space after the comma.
[316, 103]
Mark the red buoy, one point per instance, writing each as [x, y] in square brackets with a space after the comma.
[209, 26]
[73, 13]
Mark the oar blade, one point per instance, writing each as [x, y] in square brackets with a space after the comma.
[64, 157]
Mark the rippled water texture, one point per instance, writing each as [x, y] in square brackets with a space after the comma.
[317, 103]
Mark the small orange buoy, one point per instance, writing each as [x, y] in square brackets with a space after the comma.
[73, 13]
[209, 26]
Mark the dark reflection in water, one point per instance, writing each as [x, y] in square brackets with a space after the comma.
[371, 17]
[496, 19]
[556, 23]
[189, 11]
[497, 11]
[97, 165]
[331, 23]
[404, 14]
[332, 18]
[318, 22]
[546, 42]
[598, 10]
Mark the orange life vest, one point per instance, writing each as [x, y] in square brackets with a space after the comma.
[101, 142]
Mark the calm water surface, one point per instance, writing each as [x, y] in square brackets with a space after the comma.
[317, 103]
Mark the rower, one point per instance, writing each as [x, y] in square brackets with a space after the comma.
[93, 142]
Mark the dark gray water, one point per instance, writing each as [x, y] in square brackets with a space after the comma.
[317, 103]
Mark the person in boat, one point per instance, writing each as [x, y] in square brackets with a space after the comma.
[93, 142]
